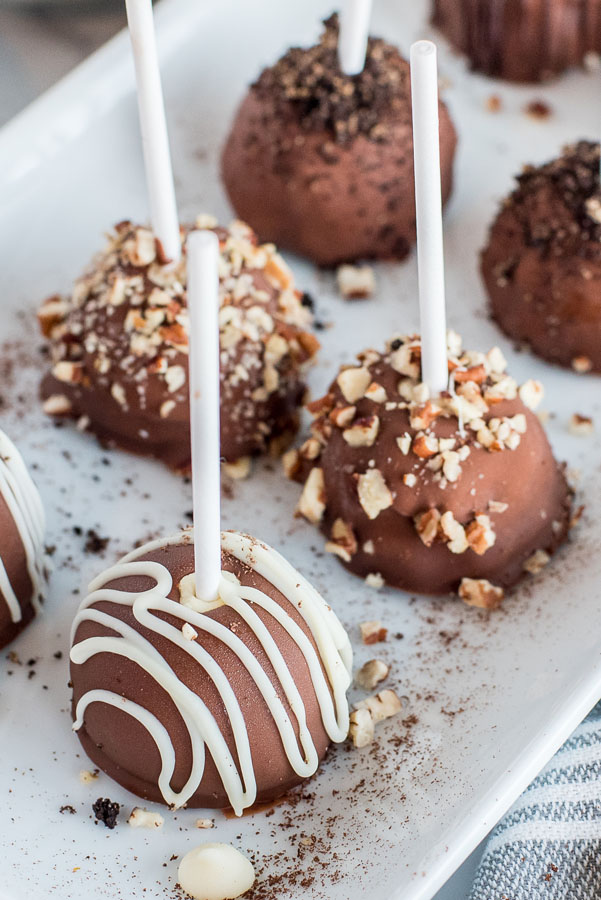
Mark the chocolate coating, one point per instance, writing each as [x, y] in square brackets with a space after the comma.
[542, 263]
[118, 744]
[521, 40]
[497, 481]
[312, 150]
[120, 348]
[22, 554]
[14, 560]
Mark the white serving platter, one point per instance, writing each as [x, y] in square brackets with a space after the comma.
[490, 696]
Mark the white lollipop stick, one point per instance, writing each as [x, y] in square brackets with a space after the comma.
[203, 310]
[428, 210]
[353, 35]
[155, 141]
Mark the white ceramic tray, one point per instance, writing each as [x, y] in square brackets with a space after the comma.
[490, 697]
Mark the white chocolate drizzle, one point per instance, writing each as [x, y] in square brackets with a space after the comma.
[25, 507]
[334, 656]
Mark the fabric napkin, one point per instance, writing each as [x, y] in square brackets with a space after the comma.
[548, 846]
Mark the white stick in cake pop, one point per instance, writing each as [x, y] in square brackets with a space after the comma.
[428, 210]
[203, 310]
[354, 32]
[155, 140]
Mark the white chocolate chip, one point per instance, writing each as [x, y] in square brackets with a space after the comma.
[215, 871]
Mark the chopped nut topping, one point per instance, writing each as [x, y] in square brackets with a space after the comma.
[238, 470]
[204, 823]
[497, 506]
[291, 463]
[343, 541]
[381, 706]
[427, 525]
[537, 562]
[374, 580]
[454, 533]
[356, 282]
[363, 433]
[376, 393]
[480, 535]
[312, 500]
[481, 593]
[57, 405]
[531, 393]
[425, 446]
[404, 443]
[361, 728]
[373, 632]
[581, 426]
[353, 382]
[371, 674]
[582, 364]
[188, 632]
[342, 416]
[142, 818]
[373, 493]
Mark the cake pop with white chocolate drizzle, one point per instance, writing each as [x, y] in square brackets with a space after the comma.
[213, 675]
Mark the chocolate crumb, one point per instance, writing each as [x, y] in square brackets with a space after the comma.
[310, 81]
[106, 811]
[95, 543]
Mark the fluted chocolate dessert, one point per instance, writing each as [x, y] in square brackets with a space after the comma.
[322, 163]
[456, 493]
[119, 346]
[542, 263]
[22, 554]
[521, 40]
[201, 704]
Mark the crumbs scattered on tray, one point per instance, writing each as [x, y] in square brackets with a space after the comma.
[538, 109]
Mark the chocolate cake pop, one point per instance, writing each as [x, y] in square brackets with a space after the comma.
[461, 492]
[322, 162]
[208, 704]
[22, 573]
[526, 40]
[120, 347]
[542, 263]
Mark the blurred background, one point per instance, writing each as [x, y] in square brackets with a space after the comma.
[40, 42]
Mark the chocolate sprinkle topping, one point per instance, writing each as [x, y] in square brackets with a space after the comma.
[106, 811]
[311, 82]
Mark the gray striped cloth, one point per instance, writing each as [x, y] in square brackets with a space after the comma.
[548, 846]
